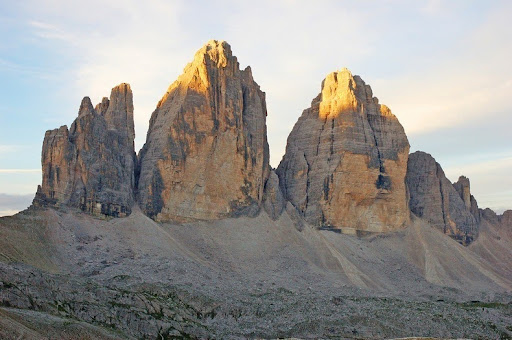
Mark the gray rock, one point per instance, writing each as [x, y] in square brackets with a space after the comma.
[206, 155]
[463, 188]
[273, 200]
[91, 165]
[435, 199]
[295, 216]
[346, 160]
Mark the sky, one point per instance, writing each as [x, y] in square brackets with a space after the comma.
[443, 67]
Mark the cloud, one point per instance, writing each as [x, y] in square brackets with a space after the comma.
[491, 183]
[11, 204]
[432, 7]
[8, 148]
[467, 81]
[438, 65]
[47, 31]
[19, 171]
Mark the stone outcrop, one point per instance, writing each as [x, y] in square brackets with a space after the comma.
[346, 160]
[504, 220]
[463, 188]
[433, 197]
[91, 166]
[273, 200]
[206, 153]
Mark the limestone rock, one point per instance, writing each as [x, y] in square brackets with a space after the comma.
[346, 160]
[295, 216]
[91, 165]
[463, 188]
[273, 200]
[435, 199]
[490, 216]
[504, 220]
[206, 153]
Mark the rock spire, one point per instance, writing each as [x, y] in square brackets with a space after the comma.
[450, 208]
[91, 165]
[206, 154]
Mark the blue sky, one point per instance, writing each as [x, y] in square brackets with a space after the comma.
[443, 67]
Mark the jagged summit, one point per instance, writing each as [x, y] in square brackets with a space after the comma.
[206, 152]
[346, 160]
[449, 207]
[217, 51]
[343, 92]
[86, 107]
[91, 165]
[213, 55]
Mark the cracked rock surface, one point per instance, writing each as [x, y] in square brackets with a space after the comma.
[346, 160]
[91, 166]
[446, 207]
[206, 155]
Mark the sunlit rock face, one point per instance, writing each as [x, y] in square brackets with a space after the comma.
[206, 154]
[91, 166]
[450, 208]
[346, 160]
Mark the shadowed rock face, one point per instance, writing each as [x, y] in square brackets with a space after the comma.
[273, 201]
[504, 220]
[91, 165]
[206, 154]
[463, 188]
[445, 206]
[346, 160]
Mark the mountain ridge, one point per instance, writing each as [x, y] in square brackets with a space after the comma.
[198, 237]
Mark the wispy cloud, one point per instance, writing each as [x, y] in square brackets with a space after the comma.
[8, 148]
[491, 183]
[19, 171]
[48, 31]
[471, 79]
[432, 7]
[448, 79]
[11, 204]
[26, 70]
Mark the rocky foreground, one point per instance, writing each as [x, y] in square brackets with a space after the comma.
[198, 237]
[247, 278]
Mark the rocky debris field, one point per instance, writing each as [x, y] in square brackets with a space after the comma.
[268, 280]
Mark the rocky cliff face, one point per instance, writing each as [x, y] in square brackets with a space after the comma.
[504, 220]
[346, 160]
[91, 165]
[206, 154]
[463, 188]
[445, 206]
[273, 200]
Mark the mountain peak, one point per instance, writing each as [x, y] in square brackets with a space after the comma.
[216, 53]
[85, 107]
[343, 92]
[346, 160]
[211, 121]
